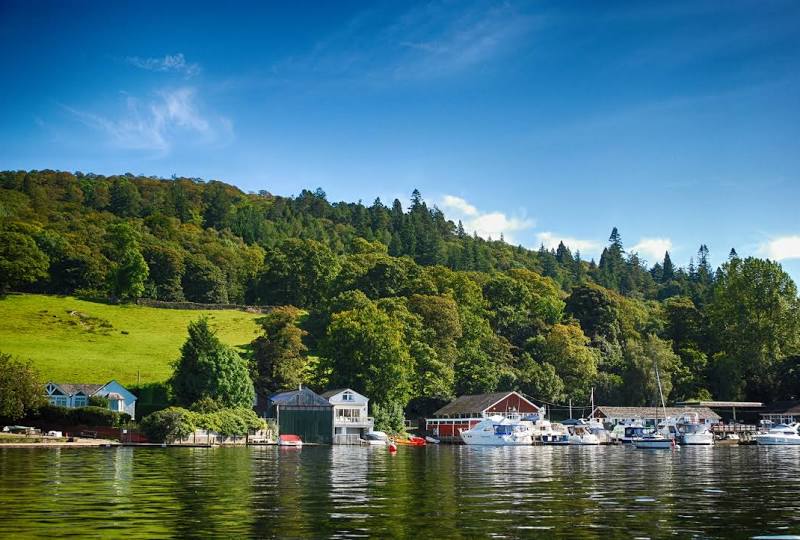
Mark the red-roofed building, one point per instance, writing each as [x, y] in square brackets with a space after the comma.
[465, 411]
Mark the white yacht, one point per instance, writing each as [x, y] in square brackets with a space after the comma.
[780, 435]
[580, 435]
[499, 431]
[691, 431]
[547, 432]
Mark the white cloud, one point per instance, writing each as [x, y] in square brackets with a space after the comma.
[170, 62]
[158, 123]
[551, 240]
[781, 247]
[485, 224]
[459, 204]
[654, 248]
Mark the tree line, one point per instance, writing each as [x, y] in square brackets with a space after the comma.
[403, 304]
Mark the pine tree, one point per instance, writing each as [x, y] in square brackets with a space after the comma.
[667, 269]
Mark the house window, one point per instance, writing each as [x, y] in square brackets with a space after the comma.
[59, 401]
[81, 401]
[347, 396]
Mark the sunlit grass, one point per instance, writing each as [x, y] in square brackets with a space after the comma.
[71, 340]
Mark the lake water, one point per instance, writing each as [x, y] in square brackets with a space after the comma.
[444, 492]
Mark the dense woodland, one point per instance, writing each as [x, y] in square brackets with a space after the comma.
[402, 304]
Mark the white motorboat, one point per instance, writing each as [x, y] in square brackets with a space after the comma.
[625, 432]
[693, 432]
[596, 428]
[654, 441]
[376, 438]
[498, 431]
[580, 435]
[547, 432]
[779, 435]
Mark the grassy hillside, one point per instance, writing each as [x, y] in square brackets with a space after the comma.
[71, 340]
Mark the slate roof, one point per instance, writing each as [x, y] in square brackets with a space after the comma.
[299, 398]
[653, 412]
[72, 389]
[330, 393]
[471, 404]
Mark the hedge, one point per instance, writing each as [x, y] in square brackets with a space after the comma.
[81, 416]
[176, 423]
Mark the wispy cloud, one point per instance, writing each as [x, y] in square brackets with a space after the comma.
[157, 124]
[781, 248]
[485, 224]
[170, 62]
[653, 248]
[551, 240]
[428, 41]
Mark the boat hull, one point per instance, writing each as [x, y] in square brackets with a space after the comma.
[659, 444]
[697, 439]
[777, 441]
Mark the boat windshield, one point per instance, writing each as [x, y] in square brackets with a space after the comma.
[692, 428]
[634, 431]
[503, 429]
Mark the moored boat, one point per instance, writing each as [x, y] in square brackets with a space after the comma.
[654, 441]
[412, 440]
[376, 438]
[291, 441]
[498, 431]
[692, 432]
[779, 435]
[579, 435]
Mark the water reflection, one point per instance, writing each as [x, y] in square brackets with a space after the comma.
[445, 491]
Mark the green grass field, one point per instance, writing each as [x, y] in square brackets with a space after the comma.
[76, 341]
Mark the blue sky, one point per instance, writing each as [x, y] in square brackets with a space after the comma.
[678, 122]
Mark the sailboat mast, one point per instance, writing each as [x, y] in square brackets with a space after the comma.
[660, 393]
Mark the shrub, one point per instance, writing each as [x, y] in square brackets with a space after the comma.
[98, 401]
[389, 417]
[168, 424]
[83, 416]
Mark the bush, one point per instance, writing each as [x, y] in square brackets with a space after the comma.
[98, 401]
[389, 417]
[168, 424]
[176, 422]
[83, 416]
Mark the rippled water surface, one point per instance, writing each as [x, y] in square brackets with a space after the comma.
[445, 492]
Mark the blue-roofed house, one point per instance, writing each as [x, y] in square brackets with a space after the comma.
[71, 395]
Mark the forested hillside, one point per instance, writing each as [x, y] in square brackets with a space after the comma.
[405, 305]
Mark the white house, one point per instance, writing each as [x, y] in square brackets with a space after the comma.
[120, 399]
[350, 415]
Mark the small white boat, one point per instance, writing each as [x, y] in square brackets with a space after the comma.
[431, 440]
[779, 435]
[654, 441]
[376, 438]
[498, 431]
